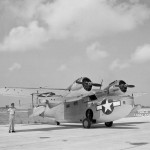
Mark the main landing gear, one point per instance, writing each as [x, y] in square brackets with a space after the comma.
[108, 124]
[87, 122]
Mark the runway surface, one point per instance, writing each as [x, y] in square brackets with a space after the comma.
[126, 134]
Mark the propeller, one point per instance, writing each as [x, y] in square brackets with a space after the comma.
[123, 86]
[87, 83]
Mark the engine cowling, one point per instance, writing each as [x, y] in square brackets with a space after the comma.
[86, 83]
[122, 86]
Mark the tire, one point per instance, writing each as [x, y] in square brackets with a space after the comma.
[86, 123]
[108, 124]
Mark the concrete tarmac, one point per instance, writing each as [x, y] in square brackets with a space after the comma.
[126, 134]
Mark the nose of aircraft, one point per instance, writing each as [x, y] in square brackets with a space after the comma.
[128, 100]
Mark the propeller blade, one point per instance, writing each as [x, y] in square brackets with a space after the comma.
[96, 84]
[130, 86]
[125, 85]
[89, 83]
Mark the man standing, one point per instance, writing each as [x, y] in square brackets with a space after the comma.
[11, 111]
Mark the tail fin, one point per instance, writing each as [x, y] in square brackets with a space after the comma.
[38, 110]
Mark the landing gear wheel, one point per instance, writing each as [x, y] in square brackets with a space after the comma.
[86, 123]
[58, 123]
[108, 124]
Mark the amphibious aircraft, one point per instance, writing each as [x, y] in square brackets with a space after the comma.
[79, 102]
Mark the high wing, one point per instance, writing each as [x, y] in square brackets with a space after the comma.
[26, 92]
[78, 88]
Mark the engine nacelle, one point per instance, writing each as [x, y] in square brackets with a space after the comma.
[75, 86]
[121, 85]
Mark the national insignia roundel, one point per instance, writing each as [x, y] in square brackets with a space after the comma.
[107, 106]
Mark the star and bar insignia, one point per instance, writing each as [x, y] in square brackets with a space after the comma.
[107, 106]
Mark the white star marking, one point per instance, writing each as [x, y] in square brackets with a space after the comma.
[115, 104]
[107, 106]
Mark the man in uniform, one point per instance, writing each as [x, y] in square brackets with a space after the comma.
[11, 111]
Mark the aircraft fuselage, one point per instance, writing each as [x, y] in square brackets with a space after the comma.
[104, 109]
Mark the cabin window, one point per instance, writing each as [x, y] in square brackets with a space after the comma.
[68, 105]
[92, 97]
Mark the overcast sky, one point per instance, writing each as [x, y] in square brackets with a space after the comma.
[54, 42]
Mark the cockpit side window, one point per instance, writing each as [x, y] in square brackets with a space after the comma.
[92, 97]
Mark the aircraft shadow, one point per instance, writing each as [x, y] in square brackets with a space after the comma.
[60, 127]
[125, 125]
